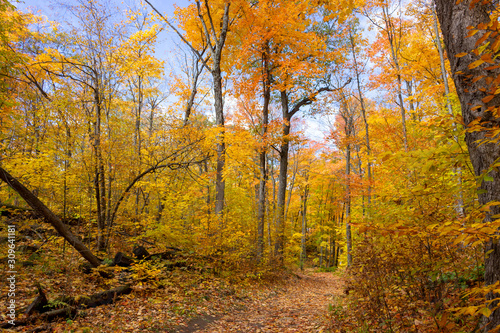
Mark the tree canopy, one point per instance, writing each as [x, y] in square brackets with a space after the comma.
[193, 131]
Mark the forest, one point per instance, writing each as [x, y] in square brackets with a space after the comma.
[250, 166]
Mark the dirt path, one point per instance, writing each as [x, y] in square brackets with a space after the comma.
[299, 306]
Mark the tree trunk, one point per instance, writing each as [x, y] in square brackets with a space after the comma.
[261, 210]
[282, 180]
[455, 18]
[274, 210]
[348, 118]
[320, 256]
[365, 120]
[99, 181]
[220, 184]
[292, 184]
[216, 45]
[389, 29]
[460, 199]
[304, 224]
[348, 205]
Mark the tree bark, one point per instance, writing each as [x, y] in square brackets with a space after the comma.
[460, 198]
[216, 45]
[220, 183]
[389, 29]
[195, 74]
[442, 63]
[303, 254]
[455, 18]
[261, 210]
[287, 114]
[348, 200]
[99, 181]
[365, 120]
[282, 180]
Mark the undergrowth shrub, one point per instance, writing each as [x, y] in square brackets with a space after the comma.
[412, 279]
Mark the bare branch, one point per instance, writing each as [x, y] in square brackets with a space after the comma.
[204, 61]
[311, 98]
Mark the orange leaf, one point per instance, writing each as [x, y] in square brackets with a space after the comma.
[488, 98]
[487, 58]
[472, 32]
[477, 78]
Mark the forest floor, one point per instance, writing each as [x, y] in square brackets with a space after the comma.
[300, 305]
[200, 294]
[187, 301]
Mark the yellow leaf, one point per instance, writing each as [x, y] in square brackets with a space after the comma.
[476, 63]
[386, 156]
[485, 312]
[460, 55]
[471, 310]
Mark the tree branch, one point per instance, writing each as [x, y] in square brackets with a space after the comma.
[311, 98]
[172, 166]
[204, 61]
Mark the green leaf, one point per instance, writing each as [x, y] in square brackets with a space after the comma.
[485, 312]
[488, 178]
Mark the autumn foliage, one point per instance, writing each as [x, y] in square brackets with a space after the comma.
[104, 131]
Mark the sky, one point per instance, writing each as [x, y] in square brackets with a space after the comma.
[314, 128]
[166, 7]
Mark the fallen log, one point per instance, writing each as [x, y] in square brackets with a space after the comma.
[11, 210]
[173, 248]
[49, 216]
[176, 264]
[47, 316]
[140, 252]
[105, 297]
[167, 255]
[122, 260]
[38, 305]
[27, 248]
[74, 304]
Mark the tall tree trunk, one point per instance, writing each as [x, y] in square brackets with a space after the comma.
[282, 180]
[460, 200]
[389, 29]
[348, 132]
[304, 223]
[365, 120]
[216, 45]
[455, 19]
[292, 184]
[137, 137]
[261, 210]
[348, 235]
[274, 210]
[220, 183]
[99, 181]
[442, 63]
